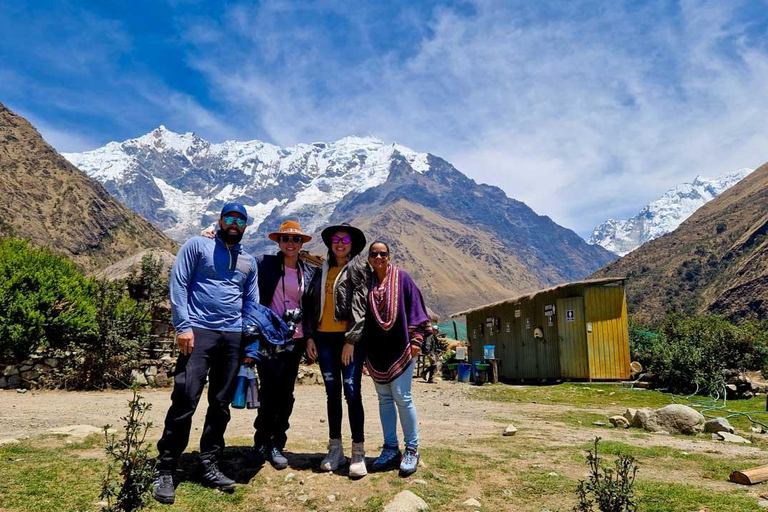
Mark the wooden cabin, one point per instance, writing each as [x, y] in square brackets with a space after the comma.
[572, 331]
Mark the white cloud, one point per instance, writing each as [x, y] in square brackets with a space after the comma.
[583, 115]
[63, 140]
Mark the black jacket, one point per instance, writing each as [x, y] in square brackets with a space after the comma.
[271, 269]
[350, 295]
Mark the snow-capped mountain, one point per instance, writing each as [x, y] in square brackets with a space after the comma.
[467, 243]
[663, 215]
[180, 181]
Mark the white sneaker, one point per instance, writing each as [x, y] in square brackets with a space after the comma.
[357, 467]
[335, 457]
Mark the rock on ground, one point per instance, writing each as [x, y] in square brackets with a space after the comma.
[619, 421]
[646, 418]
[731, 438]
[472, 502]
[680, 419]
[510, 430]
[629, 414]
[406, 501]
[718, 425]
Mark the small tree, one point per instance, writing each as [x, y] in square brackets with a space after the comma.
[148, 284]
[611, 490]
[130, 472]
[106, 359]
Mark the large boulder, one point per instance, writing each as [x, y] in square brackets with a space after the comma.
[679, 419]
[645, 418]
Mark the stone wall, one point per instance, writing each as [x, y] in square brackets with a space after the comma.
[40, 371]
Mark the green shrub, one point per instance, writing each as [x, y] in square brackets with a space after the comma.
[106, 360]
[691, 353]
[147, 283]
[608, 489]
[45, 301]
[130, 471]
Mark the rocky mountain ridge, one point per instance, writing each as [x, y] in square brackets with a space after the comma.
[716, 261]
[663, 215]
[180, 182]
[49, 202]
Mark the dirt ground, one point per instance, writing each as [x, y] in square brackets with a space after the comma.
[448, 417]
[439, 405]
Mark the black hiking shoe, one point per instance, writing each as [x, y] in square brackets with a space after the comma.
[277, 458]
[211, 476]
[162, 488]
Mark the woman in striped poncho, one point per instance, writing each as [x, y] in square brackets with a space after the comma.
[396, 322]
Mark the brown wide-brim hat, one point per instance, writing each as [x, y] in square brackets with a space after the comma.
[357, 236]
[289, 227]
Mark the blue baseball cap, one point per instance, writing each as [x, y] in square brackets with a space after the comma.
[234, 207]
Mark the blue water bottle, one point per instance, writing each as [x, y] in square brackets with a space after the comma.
[238, 402]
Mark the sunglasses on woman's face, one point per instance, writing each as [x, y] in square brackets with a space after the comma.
[229, 220]
[341, 240]
[290, 238]
[377, 254]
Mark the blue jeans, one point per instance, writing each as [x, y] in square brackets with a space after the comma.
[398, 394]
[336, 375]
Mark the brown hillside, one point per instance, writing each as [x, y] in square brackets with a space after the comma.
[716, 261]
[454, 265]
[47, 200]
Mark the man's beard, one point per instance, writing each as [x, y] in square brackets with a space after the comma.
[230, 238]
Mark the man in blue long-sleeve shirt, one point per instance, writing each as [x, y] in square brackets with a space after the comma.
[210, 281]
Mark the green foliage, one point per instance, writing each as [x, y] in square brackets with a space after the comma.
[130, 472]
[107, 359]
[691, 353]
[45, 301]
[148, 284]
[611, 490]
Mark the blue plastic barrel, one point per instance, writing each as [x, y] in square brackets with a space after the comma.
[464, 371]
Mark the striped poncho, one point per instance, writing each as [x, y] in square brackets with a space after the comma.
[396, 318]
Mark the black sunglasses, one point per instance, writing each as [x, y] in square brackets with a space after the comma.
[290, 238]
[374, 254]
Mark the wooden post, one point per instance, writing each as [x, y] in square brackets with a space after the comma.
[750, 476]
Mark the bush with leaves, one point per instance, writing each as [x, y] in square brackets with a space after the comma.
[610, 489]
[45, 301]
[130, 471]
[692, 353]
[106, 360]
[147, 283]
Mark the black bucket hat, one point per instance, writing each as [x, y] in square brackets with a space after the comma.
[358, 238]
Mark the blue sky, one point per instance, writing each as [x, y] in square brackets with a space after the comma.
[584, 110]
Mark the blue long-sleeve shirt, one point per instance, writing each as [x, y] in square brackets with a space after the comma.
[209, 285]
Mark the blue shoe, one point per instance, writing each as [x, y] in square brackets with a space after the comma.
[410, 461]
[389, 458]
